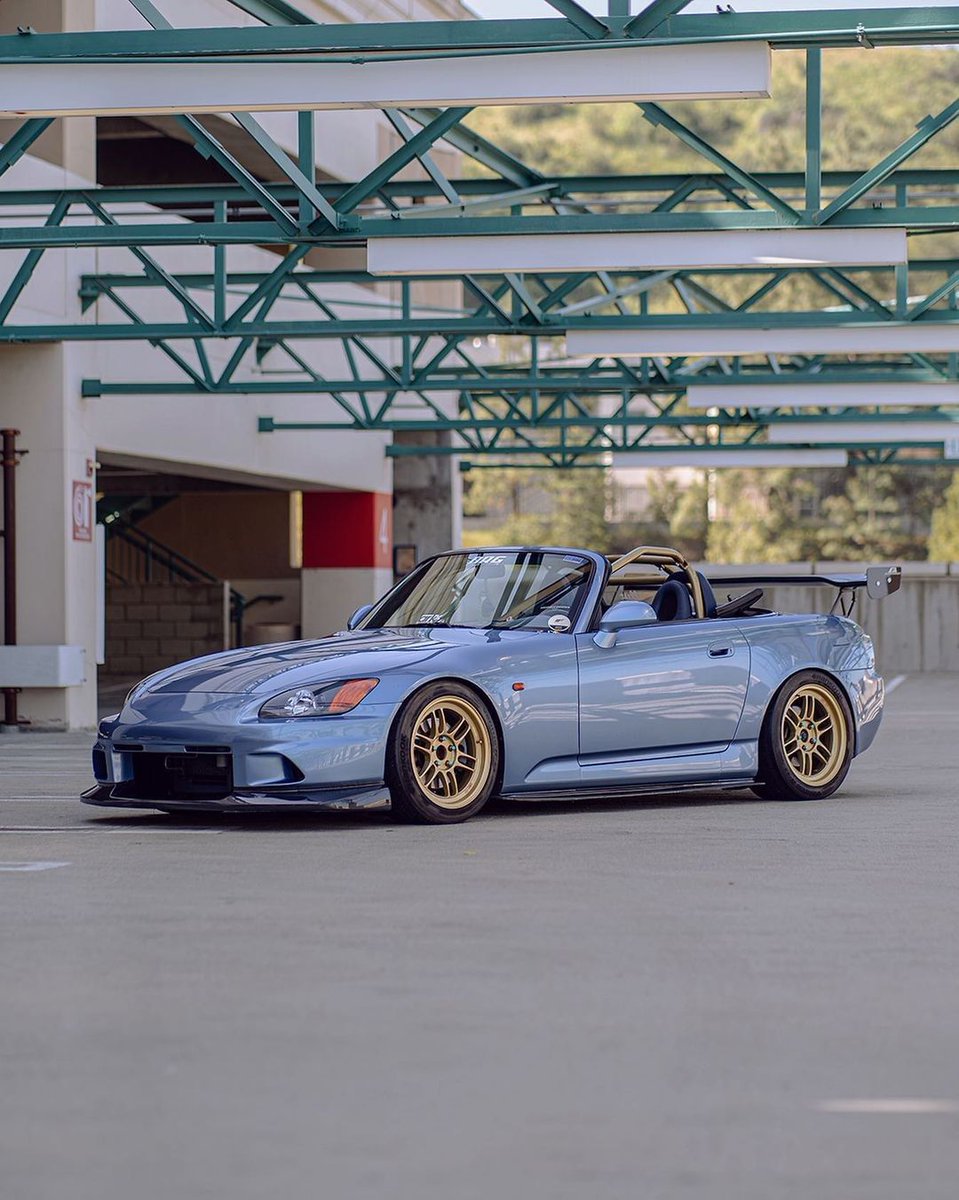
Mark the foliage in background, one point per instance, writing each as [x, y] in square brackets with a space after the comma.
[944, 538]
[557, 508]
[873, 99]
[677, 516]
[805, 516]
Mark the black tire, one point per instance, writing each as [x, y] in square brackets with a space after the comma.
[807, 740]
[443, 759]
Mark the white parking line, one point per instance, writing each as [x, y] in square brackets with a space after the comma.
[902, 1105]
[31, 866]
[63, 829]
[894, 683]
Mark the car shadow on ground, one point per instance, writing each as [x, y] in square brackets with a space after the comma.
[498, 809]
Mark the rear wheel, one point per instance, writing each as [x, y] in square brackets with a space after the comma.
[443, 759]
[806, 744]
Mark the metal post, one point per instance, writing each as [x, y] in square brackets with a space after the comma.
[813, 129]
[306, 159]
[902, 270]
[9, 461]
[220, 215]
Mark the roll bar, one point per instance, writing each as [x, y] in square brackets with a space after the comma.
[667, 560]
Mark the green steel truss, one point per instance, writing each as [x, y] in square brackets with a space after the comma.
[490, 368]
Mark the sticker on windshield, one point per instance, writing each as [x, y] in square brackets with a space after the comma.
[476, 560]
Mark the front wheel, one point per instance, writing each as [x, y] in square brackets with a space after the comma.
[806, 744]
[443, 758]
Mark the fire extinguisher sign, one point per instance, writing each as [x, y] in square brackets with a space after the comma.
[82, 511]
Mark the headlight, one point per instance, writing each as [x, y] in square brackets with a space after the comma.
[328, 700]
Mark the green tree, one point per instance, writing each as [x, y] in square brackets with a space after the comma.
[882, 512]
[522, 507]
[765, 516]
[804, 516]
[677, 516]
[944, 537]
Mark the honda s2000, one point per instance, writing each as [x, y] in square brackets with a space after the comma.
[532, 672]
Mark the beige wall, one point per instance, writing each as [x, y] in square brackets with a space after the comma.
[229, 534]
[56, 574]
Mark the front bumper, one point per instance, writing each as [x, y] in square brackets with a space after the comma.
[368, 796]
[234, 753]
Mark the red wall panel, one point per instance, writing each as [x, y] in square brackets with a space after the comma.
[347, 529]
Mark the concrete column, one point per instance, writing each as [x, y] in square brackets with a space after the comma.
[57, 572]
[347, 556]
[427, 496]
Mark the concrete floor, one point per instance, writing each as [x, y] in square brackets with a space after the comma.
[655, 1000]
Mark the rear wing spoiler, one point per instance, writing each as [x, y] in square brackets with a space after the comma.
[878, 581]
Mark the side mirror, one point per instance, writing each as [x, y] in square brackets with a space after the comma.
[359, 615]
[626, 614]
[883, 581]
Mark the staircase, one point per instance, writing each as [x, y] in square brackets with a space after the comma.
[135, 557]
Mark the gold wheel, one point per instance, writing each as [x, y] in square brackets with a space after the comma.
[814, 735]
[450, 752]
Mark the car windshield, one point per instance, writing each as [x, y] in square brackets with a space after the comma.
[489, 589]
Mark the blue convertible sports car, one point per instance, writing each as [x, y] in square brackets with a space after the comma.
[533, 672]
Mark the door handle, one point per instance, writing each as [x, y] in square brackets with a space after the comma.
[717, 650]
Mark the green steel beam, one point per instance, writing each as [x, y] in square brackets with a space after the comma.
[16, 146]
[199, 279]
[813, 130]
[583, 186]
[545, 310]
[926, 130]
[905, 25]
[653, 17]
[580, 18]
[209, 147]
[656, 115]
[504, 383]
[481, 150]
[398, 121]
[304, 184]
[400, 158]
[283, 229]
[26, 269]
[272, 12]
[150, 13]
[723, 422]
[466, 326]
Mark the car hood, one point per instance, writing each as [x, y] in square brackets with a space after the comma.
[275, 668]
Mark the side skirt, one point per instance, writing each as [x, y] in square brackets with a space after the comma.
[619, 792]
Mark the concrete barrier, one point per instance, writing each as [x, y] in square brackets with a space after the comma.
[915, 629]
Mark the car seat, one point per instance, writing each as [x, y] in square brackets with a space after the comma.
[672, 602]
[709, 596]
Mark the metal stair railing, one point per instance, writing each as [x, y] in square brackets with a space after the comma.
[144, 559]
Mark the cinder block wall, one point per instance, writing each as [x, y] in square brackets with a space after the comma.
[153, 625]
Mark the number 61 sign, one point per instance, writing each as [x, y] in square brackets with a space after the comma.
[82, 509]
